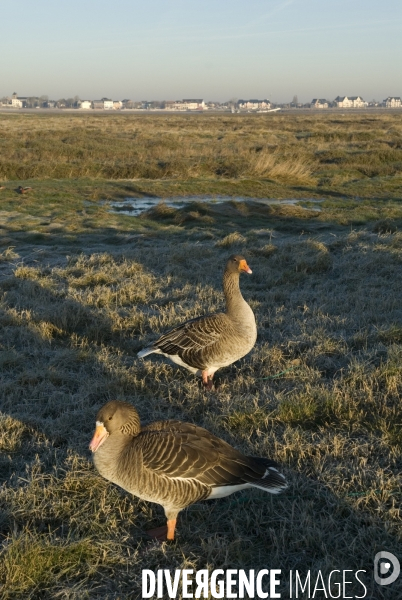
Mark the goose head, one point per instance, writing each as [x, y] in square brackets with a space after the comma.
[115, 417]
[237, 264]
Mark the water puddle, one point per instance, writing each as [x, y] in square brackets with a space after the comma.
[136, 206]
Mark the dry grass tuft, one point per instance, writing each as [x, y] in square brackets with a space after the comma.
[306, 257]
[8, 254]
[276, 166]
[266, 250]
[230, 240]
[160, 211]
[312, 257]
[384, 227]
[193, 215]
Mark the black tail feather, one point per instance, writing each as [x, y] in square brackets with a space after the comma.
[271, 480]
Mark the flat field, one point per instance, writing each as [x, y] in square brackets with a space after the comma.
[83, 289]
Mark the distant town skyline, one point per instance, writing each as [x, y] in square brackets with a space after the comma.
[172, 49]
[194, 104]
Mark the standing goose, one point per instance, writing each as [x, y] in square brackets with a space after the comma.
[172, 463]
[205, 344]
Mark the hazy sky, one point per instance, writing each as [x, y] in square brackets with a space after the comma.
[211, 49]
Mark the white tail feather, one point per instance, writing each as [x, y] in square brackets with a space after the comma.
[147, 351]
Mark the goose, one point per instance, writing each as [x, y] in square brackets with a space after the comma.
[173, 463]
[205, 344]
[23, 190]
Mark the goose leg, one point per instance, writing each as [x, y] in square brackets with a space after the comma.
[171, 524]
[207, 380]
[166, 532]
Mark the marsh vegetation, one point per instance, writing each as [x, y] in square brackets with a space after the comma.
[334, 151]
[82, 290]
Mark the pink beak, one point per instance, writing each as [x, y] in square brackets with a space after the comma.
[99, 437]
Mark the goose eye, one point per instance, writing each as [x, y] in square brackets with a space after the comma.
[110, 418]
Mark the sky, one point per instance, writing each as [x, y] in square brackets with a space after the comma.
[210, 49]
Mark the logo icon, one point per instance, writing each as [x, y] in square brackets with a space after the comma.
[386, 568]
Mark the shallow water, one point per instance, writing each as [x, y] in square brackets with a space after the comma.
[136, 206]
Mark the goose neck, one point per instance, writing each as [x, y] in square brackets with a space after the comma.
[111, 449]
[231, 290]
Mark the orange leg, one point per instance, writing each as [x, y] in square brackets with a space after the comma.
[161, 534]
[171, 524]
[207, 380]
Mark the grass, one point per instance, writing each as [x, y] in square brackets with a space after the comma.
[334, 153]
[83, 289]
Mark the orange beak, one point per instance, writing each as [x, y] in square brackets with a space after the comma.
[244, 267]
[99, 437]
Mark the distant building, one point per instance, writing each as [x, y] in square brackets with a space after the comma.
[174, 105]
[155, 105]
[319, 103]
[254, 104]
[393, 102]
[104, 104]
[187, 104]
[85, 104]
[350, 102]
[193, 104]
[18, 102]
[343, 102]
[130, 104]
[117, 104]
[358, 102]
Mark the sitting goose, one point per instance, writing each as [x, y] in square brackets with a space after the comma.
[205, 344]
[23, 190]
[172, 463]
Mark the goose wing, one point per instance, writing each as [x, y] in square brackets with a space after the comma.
[185, 451]
[191, 339]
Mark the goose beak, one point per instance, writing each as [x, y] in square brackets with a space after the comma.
[244, 267]
[99, 437]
